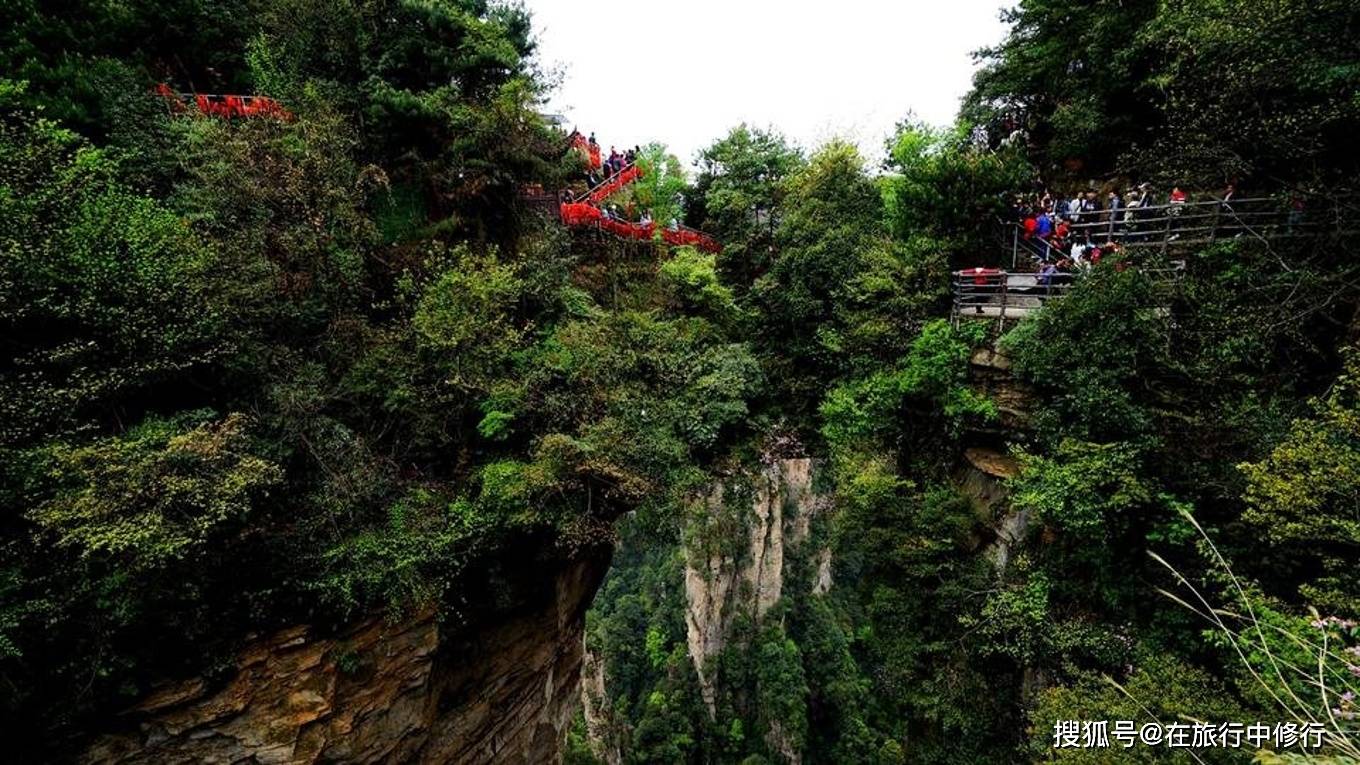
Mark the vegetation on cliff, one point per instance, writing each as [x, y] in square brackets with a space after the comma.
[1211, 428]
[266, 371]
[258, 372]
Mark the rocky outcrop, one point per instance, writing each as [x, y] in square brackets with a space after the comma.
[822, 584]
[719, 584]
[409, 691]
[983, 472]
[982, 477]
[708, 585]
[603, 731]
[990, 375]
[780, 741]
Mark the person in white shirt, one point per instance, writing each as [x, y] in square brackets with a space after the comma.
[1079, 249]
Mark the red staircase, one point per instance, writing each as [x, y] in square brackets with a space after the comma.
[585, 212]
[224, 106]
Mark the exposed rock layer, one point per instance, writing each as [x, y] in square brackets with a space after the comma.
[378, 692]
[717, 587]
[990, 375]
[602, 729]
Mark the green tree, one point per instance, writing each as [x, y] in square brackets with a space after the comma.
[833, 215]
[1303, 495]
[1159, 688]
[742, 188]
[1074, 77]
[948, 190]
[660, 191]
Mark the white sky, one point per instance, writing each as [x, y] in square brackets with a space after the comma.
[685, 72]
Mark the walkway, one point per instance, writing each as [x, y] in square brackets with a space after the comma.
[1173, 226]
[585, 212]
[225, 106]
[991, 293]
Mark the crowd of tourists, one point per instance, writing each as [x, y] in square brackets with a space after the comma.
[1081, 227]
[600, 168]
[606, 176]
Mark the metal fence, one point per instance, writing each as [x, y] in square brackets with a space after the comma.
[989, 293]
[1169, 226]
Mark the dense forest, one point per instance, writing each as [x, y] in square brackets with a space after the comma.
[333, 361]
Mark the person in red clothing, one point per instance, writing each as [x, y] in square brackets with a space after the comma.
[1175, 205]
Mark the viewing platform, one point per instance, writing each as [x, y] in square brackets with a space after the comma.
[991, 293]
[1168, 228]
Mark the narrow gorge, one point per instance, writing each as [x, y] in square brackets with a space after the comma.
[505, 382]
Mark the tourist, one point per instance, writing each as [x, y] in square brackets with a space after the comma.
[1080, 249]
[1043, 225]
[1175, 206]
[1225, 210]
[1135, 203]
[1116, 212]
[1090, 209]
[1062, 209]
[1296, 208]
[1046, 274]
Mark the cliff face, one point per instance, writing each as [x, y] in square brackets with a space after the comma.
[718, 585]
[604, 731]
[412, 691]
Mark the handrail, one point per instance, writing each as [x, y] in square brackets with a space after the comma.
[587, 215]
[583, 211]
[681, 234]
[1182, 223]
[225, 105]
[590, 150]
[589, 193]
[994, 293]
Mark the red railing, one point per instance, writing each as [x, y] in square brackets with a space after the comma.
[225, 106]
[584, 211]
[591, 151]
[611, 185]
[681, 236]
[586, 215]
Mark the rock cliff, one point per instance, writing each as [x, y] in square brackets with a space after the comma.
[720, 584]
[414, 690]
